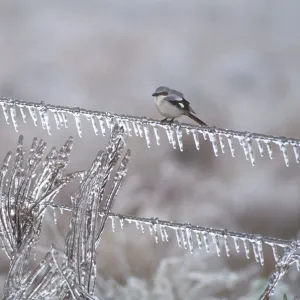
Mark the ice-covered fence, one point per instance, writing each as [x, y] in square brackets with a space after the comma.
[141, 126]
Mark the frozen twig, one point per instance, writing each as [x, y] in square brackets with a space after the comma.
[141, 127]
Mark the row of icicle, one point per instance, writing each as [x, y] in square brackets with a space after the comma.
[140, 127]
[188, 236]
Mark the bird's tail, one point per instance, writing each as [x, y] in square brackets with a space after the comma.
[194, 118]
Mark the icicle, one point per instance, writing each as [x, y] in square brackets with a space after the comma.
[283, 148]
[65, 119]
[155, 129]
[171, 138]
[162, 233]
[5, 113]
[205, 239]
[61, 210]
[139, 127]
[227, 249]
[54, 216]
[121, 123]
[189, 238]
[250, 151]
[121, 223]
[155, 233]
[44, 118]
[129, 130]
[198, 237]
[137, 225]
[135, 128]
[142, 227]
[57, 120]
[147, 135]
[213, 139]
[247, 250]
[184, 238]
[260, 148]
[187, 130]
[13, 115]
[78, 123]
[109, 120]
[23, 114]
[236, 244]
[275, 252]
[113, 224]
[94, 124]
[216, 241]
[269, 149]
[260, 251]
[255, 251]
[179, 137]
[33, 115]
[177, 231]
[298, 265]
[296, 152]
[230, 143]
[221, 140]
[166, 234]
[101, 123]
[196, 139]
[243, 143]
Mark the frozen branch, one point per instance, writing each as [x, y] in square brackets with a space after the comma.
[141, 127]
[190, 236]
[26, 190]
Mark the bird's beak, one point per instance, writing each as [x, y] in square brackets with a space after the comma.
[154, 95]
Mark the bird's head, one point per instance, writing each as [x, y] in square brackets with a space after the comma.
[161, 91]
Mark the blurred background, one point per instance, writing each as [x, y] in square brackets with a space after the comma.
[238, 64]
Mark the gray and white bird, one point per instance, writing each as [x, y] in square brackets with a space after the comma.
[172, 104]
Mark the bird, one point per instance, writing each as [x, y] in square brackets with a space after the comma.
[172, 104]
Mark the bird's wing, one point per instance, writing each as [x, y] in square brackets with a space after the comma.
[180, 103]
[181, 96]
